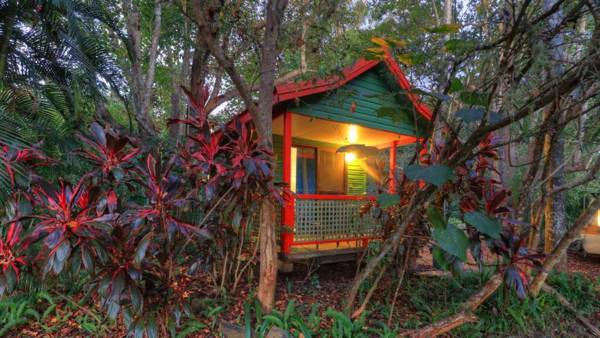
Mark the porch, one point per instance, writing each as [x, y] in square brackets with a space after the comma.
[322, 217]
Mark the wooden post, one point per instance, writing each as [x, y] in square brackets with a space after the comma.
[392, 173]
[287, 233]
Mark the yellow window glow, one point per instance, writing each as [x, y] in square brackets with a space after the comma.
[598, 219]
[352, 133]
[349, 157]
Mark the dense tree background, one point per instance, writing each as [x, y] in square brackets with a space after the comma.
[520, 77]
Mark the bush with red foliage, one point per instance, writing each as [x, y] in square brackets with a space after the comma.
[142, 225]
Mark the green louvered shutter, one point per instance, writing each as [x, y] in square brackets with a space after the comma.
[356, 179]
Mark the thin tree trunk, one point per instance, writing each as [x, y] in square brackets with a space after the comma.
[174, 128]
[8, 24]
[578, 155]
[177, 81]
[438, 124]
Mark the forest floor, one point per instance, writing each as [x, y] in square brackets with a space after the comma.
[422, 299]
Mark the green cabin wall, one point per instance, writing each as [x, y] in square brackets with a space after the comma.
[379, 103]
[356, 177]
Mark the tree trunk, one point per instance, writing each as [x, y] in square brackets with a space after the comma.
[448, 6]
[268, 241]
[8, 24]
[554, 208]
[174, 128]
[176, 106]
[438, 123]
[141, 84]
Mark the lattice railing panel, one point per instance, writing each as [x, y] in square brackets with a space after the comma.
[332, 219]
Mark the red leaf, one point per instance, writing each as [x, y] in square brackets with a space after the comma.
[111, 201]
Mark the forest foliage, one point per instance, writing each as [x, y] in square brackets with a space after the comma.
[123, 161]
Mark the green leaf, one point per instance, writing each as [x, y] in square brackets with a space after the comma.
[10, 279]
[137, 299]
[439, 260]
[474, 98]
[86, 256]
[435, 217]
[274, 321]
[452, 240]
[118, 173]
[140, 252]
[456, 85]
[387, 200]
[470, 114]
[151, 328]
[398, 113]
[60, 256]
[484, 224]
[444, 29]
[459, 45]
[437, 174]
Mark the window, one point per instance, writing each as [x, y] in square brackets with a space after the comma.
[331, 171]
[304, 170]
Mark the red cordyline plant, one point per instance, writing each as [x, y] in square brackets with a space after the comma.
[144, 242]
[109, 152]
[29, 157]
[11, 259]
[69, 220]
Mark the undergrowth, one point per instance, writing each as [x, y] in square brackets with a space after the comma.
[504, 313]
[424, 299]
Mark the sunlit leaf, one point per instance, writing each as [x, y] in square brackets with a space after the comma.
[397, 43]
[379, 41]
[444, 29]
[405, 59]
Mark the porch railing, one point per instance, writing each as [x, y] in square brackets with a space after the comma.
[332, 218]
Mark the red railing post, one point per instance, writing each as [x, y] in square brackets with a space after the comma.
[392, 174]
[287, 233]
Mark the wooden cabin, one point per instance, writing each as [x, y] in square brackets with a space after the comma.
[591, 236]
[370, 104]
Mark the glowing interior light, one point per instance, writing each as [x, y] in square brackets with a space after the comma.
[352, 133]
[598, 218]
[349, 157]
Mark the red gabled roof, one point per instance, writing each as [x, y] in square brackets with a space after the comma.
[294, 90]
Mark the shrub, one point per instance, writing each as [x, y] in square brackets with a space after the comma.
[142, 224]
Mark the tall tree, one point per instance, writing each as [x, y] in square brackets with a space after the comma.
[262, 116]
[141, 81]
[554, 144]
